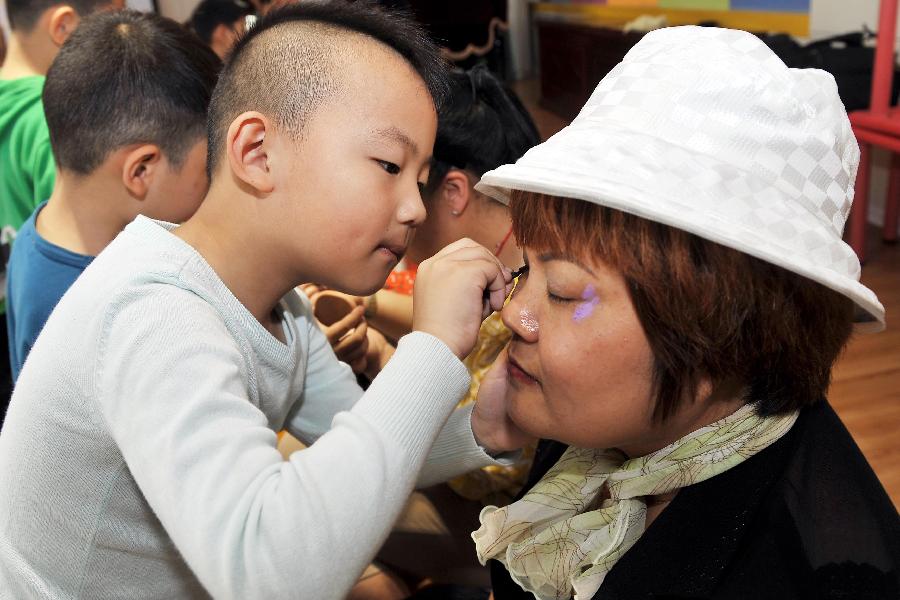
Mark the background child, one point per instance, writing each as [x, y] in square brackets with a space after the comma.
[129, 136]
[157, 386]
[39, 28]
[219, 23]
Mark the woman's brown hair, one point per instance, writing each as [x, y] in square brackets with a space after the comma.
[708, 311]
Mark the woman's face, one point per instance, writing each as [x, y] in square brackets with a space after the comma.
[580, 364]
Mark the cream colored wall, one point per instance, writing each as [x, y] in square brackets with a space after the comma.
[179, 10]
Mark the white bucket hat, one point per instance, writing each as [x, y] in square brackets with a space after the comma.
[706, 130]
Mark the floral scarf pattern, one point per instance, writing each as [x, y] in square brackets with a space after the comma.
[563, 537]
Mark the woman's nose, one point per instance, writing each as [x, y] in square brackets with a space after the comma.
[519, 318]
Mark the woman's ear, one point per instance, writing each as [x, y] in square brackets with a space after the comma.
[139, 168]
[247, 151]
[62, 22]
[456, 192]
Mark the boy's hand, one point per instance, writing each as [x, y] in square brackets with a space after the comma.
[349, 340]
[456, 289]
[493, 428]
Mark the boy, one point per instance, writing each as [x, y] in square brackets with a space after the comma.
[141, 461]
[129, 136]
[39, 28]
[219, 23]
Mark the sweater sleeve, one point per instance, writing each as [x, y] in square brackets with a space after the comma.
[330, 387]
[172, 389]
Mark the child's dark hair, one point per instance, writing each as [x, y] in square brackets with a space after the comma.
[24, 14]
[123, 78]
[209, 14]
[481, 126]
[287, 74]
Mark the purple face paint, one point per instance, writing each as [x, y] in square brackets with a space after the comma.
[586, 308]
[529, 323]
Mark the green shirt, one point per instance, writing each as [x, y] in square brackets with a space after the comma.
[27, 170]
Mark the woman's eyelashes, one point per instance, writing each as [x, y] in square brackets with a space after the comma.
[557, 299]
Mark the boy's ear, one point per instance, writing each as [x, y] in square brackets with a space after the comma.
[139, 168]
[456, 191]
[247, 151]
[62, 22]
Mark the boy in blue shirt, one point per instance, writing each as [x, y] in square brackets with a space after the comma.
[129, 136]
[27, 171]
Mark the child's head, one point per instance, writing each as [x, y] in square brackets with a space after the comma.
[42, 26]
[325, 117]
[219, 23]
[481, 126]
[24, 15]
[126, 100]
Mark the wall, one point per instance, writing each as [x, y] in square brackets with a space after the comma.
[179, 10]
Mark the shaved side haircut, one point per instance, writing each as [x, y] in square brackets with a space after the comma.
[289, 63]
[24, 14]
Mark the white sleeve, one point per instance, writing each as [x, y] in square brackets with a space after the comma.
[331, 387]
[172, 387]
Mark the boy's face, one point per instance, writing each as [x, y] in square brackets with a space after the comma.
[175, 193]
[351, 184]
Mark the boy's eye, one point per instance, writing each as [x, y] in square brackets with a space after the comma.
[390, 167]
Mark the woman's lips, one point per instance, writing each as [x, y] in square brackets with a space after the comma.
[516, 373]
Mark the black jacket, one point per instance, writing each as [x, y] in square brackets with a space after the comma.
[804, 518]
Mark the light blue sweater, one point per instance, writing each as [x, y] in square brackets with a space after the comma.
[138, 456]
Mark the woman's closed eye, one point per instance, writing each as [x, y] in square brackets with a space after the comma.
[558, 299]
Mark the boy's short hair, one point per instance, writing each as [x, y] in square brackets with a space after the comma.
[209, 14]
[708, 311]
[287, 76]
[127, 77]
[24, 14]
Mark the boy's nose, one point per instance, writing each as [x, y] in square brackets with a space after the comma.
[412, 210]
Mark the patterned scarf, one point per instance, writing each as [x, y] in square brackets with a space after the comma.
[561, 538]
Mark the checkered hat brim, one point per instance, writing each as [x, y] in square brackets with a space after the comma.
[705, 130]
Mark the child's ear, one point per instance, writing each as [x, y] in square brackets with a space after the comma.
[456, 192]
[247, 151]
[62, 22]
[139, 168]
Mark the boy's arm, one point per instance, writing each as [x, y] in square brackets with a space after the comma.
[173, 389]
[331, 388]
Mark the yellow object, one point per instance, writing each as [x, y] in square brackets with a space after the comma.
[490, 485]
[617, 14]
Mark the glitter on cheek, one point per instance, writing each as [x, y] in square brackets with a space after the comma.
[529, 323]
[586, 308]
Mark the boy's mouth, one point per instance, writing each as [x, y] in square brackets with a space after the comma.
[393, 250]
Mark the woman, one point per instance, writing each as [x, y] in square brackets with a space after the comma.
[687, 295]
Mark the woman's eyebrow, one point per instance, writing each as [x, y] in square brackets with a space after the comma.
[565, 257]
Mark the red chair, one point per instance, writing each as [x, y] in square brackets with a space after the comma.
[878, 126]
